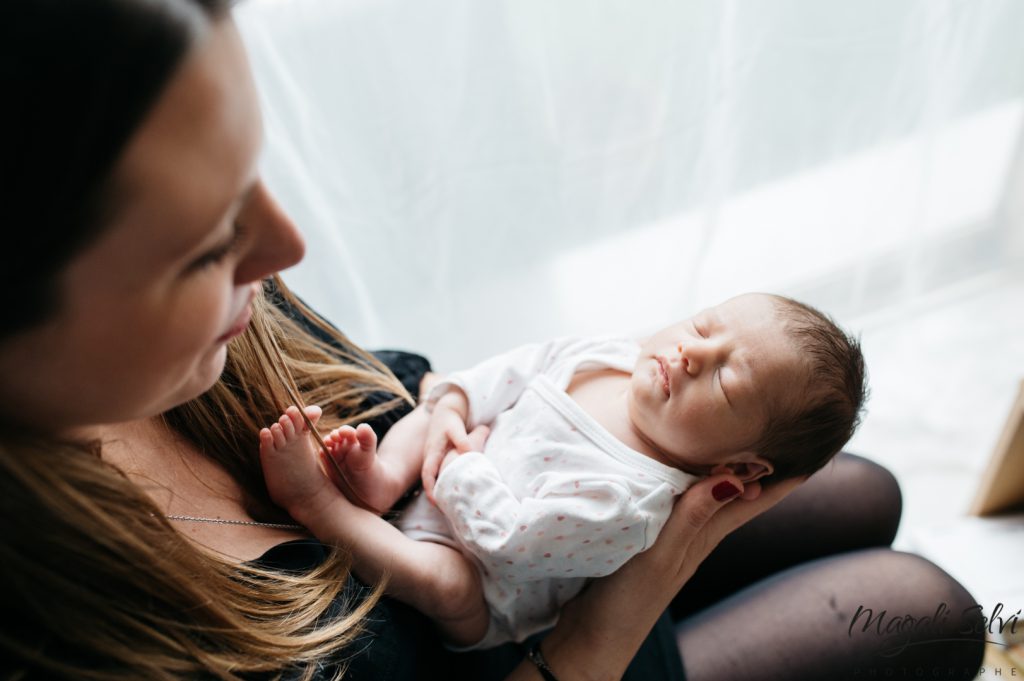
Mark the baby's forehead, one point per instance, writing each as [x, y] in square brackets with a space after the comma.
[752, 316]
[760, 304]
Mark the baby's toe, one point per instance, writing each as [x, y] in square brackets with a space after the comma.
[287, 427]
[278, 435]
[295, 416]
[366, 437]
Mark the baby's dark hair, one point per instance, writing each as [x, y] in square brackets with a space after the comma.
[800, 439]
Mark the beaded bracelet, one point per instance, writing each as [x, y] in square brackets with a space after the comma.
[537, 658]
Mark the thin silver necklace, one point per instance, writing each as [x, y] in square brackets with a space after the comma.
[222, 521]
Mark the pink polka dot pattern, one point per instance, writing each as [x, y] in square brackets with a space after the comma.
[541, 534]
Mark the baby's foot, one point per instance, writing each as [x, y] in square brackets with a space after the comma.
[289, 458]
[363, 475]
[354, 448]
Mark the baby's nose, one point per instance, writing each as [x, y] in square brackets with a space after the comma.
[697, 353]
[687, 358]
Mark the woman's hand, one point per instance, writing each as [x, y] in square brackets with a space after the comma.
[601, 629]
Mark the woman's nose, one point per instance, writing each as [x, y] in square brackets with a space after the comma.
[274, 241]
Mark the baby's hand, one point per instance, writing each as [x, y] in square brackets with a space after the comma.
[447, 430]
[477, 438]
[290, 462]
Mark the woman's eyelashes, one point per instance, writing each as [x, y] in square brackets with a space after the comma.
[217, 255]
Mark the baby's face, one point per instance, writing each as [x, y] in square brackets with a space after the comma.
[701, 389]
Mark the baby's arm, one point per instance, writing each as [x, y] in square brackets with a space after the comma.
[436, 580]
[446, 430]
[476, 396]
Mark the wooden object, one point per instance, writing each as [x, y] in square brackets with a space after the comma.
[1002, 485]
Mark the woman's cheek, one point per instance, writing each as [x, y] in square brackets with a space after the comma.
[200, 316]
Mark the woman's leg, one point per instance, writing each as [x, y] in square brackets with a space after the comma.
[850, 504]
[867, 614]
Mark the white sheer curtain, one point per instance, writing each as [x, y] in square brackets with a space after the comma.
[472, 174]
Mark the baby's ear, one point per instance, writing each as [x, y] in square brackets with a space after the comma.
[749, 468]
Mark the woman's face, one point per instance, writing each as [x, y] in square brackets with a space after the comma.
[147, 310]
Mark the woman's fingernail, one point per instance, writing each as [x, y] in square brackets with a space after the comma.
[724, 490]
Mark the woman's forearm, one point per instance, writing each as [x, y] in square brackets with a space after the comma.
[599, 634]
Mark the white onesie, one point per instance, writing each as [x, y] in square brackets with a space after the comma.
[554, 498]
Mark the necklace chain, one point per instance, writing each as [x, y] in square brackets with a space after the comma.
[222, 521]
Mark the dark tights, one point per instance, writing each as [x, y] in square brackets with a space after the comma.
[775, 600]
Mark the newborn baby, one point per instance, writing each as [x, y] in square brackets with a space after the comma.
[590, 441]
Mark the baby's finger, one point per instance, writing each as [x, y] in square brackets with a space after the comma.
[448, 458]
[458, 438]
[428, 475]
[477, 437]
[432, 458]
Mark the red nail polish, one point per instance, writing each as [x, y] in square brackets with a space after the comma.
[724, 490]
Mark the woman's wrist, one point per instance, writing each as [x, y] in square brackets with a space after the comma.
[600, 630]
[536, 656]
[572, 653]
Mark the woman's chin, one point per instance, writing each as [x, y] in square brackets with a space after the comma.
[212, 368]
[203, 376]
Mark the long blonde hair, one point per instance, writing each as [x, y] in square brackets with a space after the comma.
[100, 586]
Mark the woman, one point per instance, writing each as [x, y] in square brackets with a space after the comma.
[142, 233]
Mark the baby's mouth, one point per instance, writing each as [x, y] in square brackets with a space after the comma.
[663, 370]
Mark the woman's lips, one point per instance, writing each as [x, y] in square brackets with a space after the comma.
[663, 371]
[238, 327]
[241, 320]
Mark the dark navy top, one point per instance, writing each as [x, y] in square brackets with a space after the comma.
[400, 644]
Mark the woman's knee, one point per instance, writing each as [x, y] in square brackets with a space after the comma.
[923, 619]
[873, 613]
[871, 478]
[872, 504]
